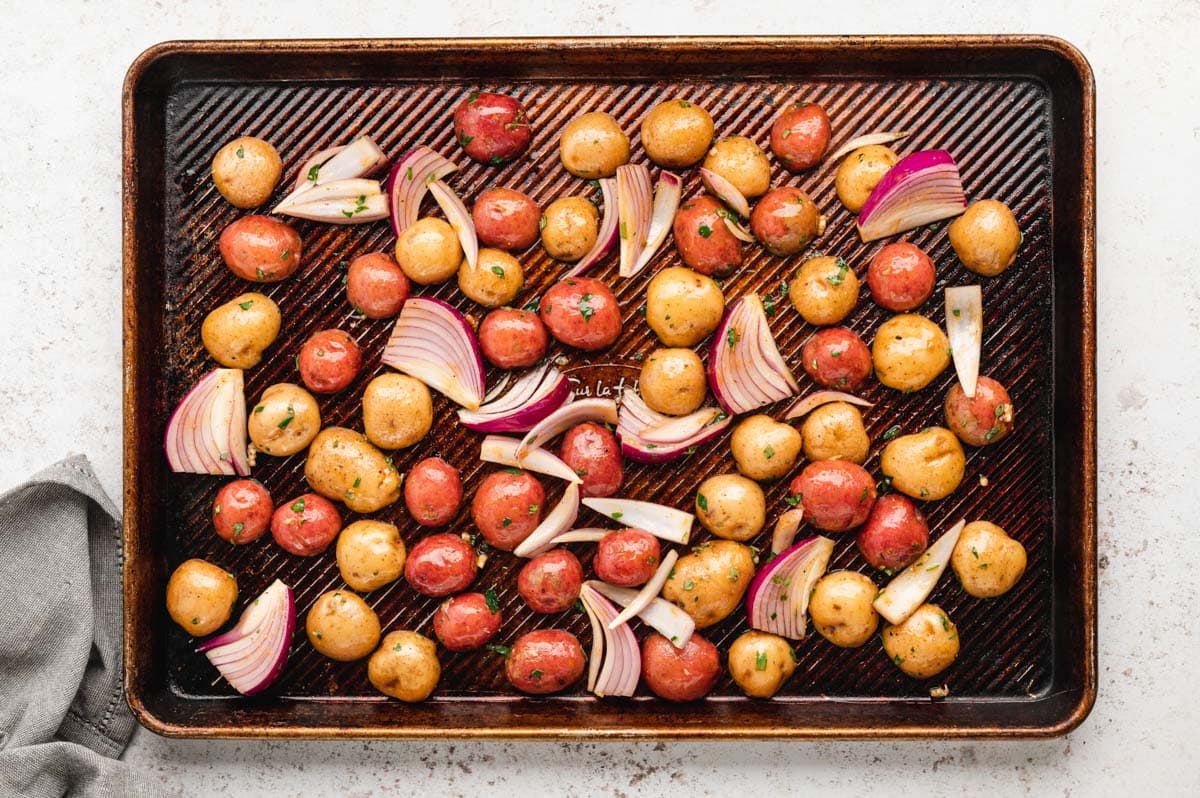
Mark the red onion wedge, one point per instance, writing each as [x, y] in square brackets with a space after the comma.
[309, 171]
[608, 234]
[739, 230]
[435, 343]
[922, 188]
[909, 589]
[207, 432]
[806, 404]
[745, 369]
[409, 180]
[459, 218]
[359, 158]
[615, 664]
[778, 598]
[532, 397]
[666, 202]
[564, 418]
[659, 520]
[786, 528]
[660, 615]
[680, 428]
[726, 192]
[634, 213]
[252, 654]
[589, 534]
[649, 590]
[556, 522]
[350, 201]
[884, 137]
[635, 417]
[964, 328]
[502, 450]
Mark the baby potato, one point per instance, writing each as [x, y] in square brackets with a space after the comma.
[909, 352]
[495, 280]
[835, 432]
[593, 145]
[763, 448]
[824, 290]
[760, 663]
[236, 333]
[370, 554]
[925, 644]
[709, 583]
[986, 237]
[673, 381]
[676, 133]
[743, 163]
[429, 252]
[731, 506]
[200, 597]
[683, 307]
[343, 466]
[569, 228]
[341, 626]
[987, 561]
[397, 411]
[246, 171]
[405, 666]
[841, 608]
[285, 420]
[860, 172]
[928, 465]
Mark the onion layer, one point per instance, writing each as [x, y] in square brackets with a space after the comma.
[435, 343]
[503, 451]
[349, 201]
[409, 180]
[806, 404]
[778, 598]
[633, 206]
[964, 328]
[636, 417]
[660, 615]
[726, 192]
[920, 189]
[649, 590]
[909, 589]
[252, 654]
[659, 520]
[564, 418]
[885, 137]
[786, 528]
[532, 397]
[207, 432]
[556, 522]
[616, 661]
[359, 158]
[666, 202]
[460, 219]
[745, 369]
[608, 234]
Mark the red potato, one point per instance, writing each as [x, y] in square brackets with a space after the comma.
[983, 420]
[466, 622]
[242, 511]
[433, 492]
[786, 220]
[545, 661]
[329, 361]
[440, 564]
[261, 249]
[492, 128]
[895, 534]
[836, 494]
[306, 526]
[837, 358]
[676, 674]
[800, 136]
[507, 507]
[506, 219]
[592, 451]
[376, 285]
[627, 558]
[513, 339]
[704, 240]
[550, 582]
[901, 277]
[582, 312]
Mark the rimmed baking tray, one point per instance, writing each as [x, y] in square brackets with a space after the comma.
[1016, 111]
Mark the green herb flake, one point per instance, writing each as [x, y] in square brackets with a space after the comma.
[260, 408]
[992, 433]
[769, 452]
[495, 160]
[624, 231]
[536, 674]
[689, 584]
[246, 305]
[899, 660]
[241, 152]
[496, 648]
[498, 271]
[288, 420]
[863, 497]
[357, 482]
[516, 472]
[734, 574]
[793, 500]
[983, 566]
[842, 270]
[705, 231]
[287, 253]
[493, 603]
[506, 522]
[732, 337]
[196, 621]
[891, 432]
[702, 502]
[760, 661]
[684, 104]
[945, 623]
[924, 492]
[260, 274]
[237, 530]
[298, 505]
[585, 308]
[542, 223]
[956, 313]
[617, 515]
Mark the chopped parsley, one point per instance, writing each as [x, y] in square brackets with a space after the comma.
[702, 502]
[891, 432]
[793, 500]
[769, 452]
[689, 584]
[842, 269]
[585, 308]
[237, 530]
[298, 505]
[246, 305]
[496, 648]
[705, 231]
[498, 271]
[617, 515]
[241, 153]
[493, 603]
[506, 522]
[732, 337]
[760, 661]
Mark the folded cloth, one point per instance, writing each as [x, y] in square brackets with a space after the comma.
[63, 718]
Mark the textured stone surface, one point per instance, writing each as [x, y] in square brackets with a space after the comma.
[60, 392]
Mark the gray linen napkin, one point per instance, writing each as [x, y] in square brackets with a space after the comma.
[63, 718]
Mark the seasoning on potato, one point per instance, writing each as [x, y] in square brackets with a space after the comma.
[824, 290]
[397, 411]
[925, 644]
[236, 333]
[246, 171]
[683, 307]
[760, 663]
[200, 597]
[731, 506]
[429, 252]
[841, 608]
[569, 228]
[860, 172]
[986, 560]
[986, 237]
[343, 466]
[673, 381]
[405, 666]
[928, 465]
[983, 420]
[835, 431]
[743, 163]
[763, 448]
[370, 554]
[676, 133]
[342, 626]
[494, 280]
[593, 145]
[709, 583]
[909, 352]
[285, 420]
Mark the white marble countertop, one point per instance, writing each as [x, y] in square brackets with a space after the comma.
[60, 324]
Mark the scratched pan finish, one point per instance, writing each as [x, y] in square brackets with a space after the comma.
[1016, 113]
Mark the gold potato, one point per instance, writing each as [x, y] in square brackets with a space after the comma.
[760, 663]
[928, 465]
[569, 228]
[909, 352]
[925, 644]
[709, 583]
[986, 237]
[429, 252]
[835, 431]
[370, 554]
[824, 290]
[495, 280]
[343, 466]
[236, 333]
[246, 171]
[673, 381]
[593, 145]
[743, 163]
[405, 666]
[676, 133]
[397, 411]
[763, 448]
[731, 506]
[683, 307]
[200, 597]
[860, 172]
[841, 608]
[341, 626]
[284, 421]
[986, 560]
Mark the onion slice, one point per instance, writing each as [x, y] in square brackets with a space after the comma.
[606, 236]
[920, 189]
[739, 230]
[556, 522]
[620, 657]
[459, 218]
[681, 428]
[434, 343]
[786, 528]
[726, 192]
[745, 369]
[883, 137]
[589, 534]
[909, 589]
[648, 591]
[503, 451]
[666, 202]
[252, 654]
[659, 520]
[662, 616]
[207, 432]
[964, 328]
[778, 598]
[634, 214]
[307, 176]
[806, 404]
[352, 201]
[564, 418]
[532, 397]
[359, 158]
[409, 180]
[635, 417]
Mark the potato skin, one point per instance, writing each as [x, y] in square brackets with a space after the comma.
[740, 161]
[242, 511]
[329, 361]
[709, 583]
[925, 644]
[673, 381]
[680, 674]
[824, 290]
[550, 582]
[343, 466]
[627, 558]
[569, 228]
[703, 239]
[676, 133]
[200, 597]
[306, 525]
[545, 661]
[507, 507]
[405, 666]
[981, 421]
[285, 420]
[837, 358]
[683, 307]
[592, 452]
[986, 560]
[441, 564]
[836, 495]
[465, 622]
[260, 249]
[341, 626]
[860, 172]
[841, 608]
[731, 506]
[512, 338]
[786, 220]
[593, 145]
[376, 286]
[492, 128]
[760, 663]
[506, 219]
[246, 171]
[582, 312]
[901, 277]
[429, 252]
[800, 135]
[986, 237]
[763, 448]
[928, 465]
[433, 492]
[895, 534]
[909, 352]
[397, 411]
[835, 431]
[495, 280]
[370, 554]
[236, 333]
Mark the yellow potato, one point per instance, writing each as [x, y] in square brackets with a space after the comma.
[236, 333]
[743, 163]
[925, 644]
[709, 583]
[593, 145]
[370, 554]
[760, 663]
[284, 421]
[909, 352]
[835, 432]
[731, 506]
[927, 465]
[763, 448]
[429, 251]
[343, 466]
[987, 561]
[676, 133]
[673, 381]
[824, 290]
[405, 666]
[341, 626]
[860, 172]
[569, 228]
[246, 171]
[683, 307]
[495, 280]
[841, 608]
[986, 237]
[397, 411]
[200, 597]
